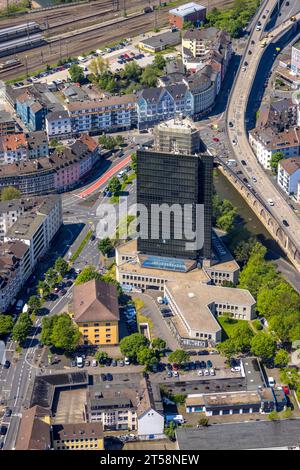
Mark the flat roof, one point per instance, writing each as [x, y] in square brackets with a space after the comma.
[195, 299]
[231, 398]
[186, 9]
[238, 436]
[162, 39]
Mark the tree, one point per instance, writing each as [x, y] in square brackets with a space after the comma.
[101, 357]
[178, 356]
[47, 327]
[227, 348]
[43, 289]
[281, 358]
[263, 346]
[203, 421]
[290, 377]
[147, 357]
[65, 333]
[105, 246]
[159, 61]
[134, 161]
[258, 272]
[51, 278]
[34, 303]
[22, 328]
[119, 139]
[282, 325]
[99, 66]
[131, 345]
[158, 343]
[282, 298]
[149, 76]
[170, 430]
[243, 250]
[61, 266]
[114, 185]
[275, 159]
[6, 324]
[9, 193]
[132, 71]
[87, 274]
[242, 337]
[76, 73]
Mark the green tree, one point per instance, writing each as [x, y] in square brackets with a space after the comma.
[34, 303]
[282, 298]
[22, 328]
[105, 246]
[132, 344]
[149, 76]
[290, 377]
[76, 73]
[158, 343]
[99, 66]
[178, 356]
[263, 346]
[204, 421]
[9, 193]
[170, 430]
[51, 278]
[146, 356]
[281, 358]
[242, 337]
[114, 185]
[47, 327]
[134, 161]
[159, 61]
[43, 289]
[282, 325]
[61, 266]
[87, 274]
[6, 324]
[132, 71]
[101, 357]
[65, 333]
[275, 159]
[258, 272]
[243, 250]
[227, 348]
[119, 139]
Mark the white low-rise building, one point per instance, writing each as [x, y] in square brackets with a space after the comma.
[58, 124]
[288, 176]
[266, 142]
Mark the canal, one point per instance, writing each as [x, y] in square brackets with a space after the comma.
[248, 219]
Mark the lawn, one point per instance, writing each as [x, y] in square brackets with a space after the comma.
[228, 328]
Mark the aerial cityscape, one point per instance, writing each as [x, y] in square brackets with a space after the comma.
[149, 227]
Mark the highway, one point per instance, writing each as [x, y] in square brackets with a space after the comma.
[236, 113]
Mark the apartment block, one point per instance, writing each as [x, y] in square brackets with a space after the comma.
[36, 228]
[288, 176]
[265, 142]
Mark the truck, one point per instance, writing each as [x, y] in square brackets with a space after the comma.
[177, 419]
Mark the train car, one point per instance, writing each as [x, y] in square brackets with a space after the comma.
[14, 32]
[9, 64]
[21, 44]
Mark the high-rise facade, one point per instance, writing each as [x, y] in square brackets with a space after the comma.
[174, 185]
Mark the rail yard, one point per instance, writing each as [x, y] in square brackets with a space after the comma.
[91, 24]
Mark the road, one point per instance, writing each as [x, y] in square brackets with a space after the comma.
[236, 114]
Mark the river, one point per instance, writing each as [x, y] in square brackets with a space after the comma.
[226, 191]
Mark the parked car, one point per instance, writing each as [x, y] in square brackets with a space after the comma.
[206, 372]
[169, 373]
[86, 363]
[3, 430]
[7, 413]
[103, 377]
[121, 363]
[209, 364]
[271, 381]
[235, 369]
[175, 373]
[200, 372]
[175, 366]
[73, 363]
[109, 377]
[94, 363]
[127, 361]
[212, 372]
[6, 364]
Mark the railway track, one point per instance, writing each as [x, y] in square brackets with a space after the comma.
[91, 40]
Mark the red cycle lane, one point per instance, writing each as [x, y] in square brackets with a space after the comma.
[105, 177]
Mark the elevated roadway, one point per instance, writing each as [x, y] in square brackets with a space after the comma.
[287, 237]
